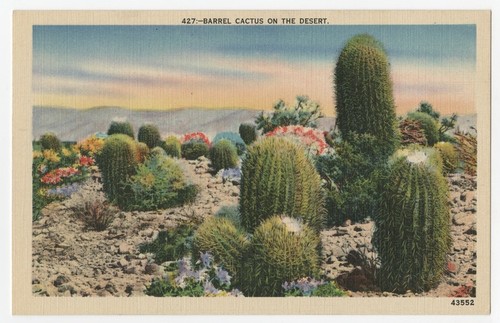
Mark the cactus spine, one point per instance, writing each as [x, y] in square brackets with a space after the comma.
[363, 91]
[117, 127]
[223, 155]
[282, 249]
[278, 178]
[223, 241]
[117, 162]
[150, 135]
[412, 231]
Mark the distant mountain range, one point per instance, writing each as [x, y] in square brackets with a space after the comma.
[75, 124]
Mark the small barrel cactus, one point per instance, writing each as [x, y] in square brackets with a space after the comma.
[234, 138]
[117, 163]
[117, 127]
[172, 146]
[223, 155]
[142, 152]
[50, 141]
[193, 149]
[283, 249]
[412, 230]
[429, 125]
[278, 178]
[150, 135]
[449, 155]
[220, 237]
[248, 133]
[157, 151]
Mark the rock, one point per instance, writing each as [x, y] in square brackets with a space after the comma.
[472, 230]
[130, 270]
[451, 267]
[60, 280]
[151, 269]
[123, 248]
[123, 262]
[346, 223]
[463, 219]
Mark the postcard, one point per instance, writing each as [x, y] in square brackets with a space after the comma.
[251, 162]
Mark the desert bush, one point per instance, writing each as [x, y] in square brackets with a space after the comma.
[155, 185]
[223, 155]
[234, 138]
[89, 203]
[304, 112]
[412, 133]
[429, 125]
[467, 152]
[50, 141]
[172, 146]
[193, 149]
[363, 92]
[117, 163]
[412, 229]
[118, 127]
[444, 124]
[170, 245]
[248, 133]
[220, 237]
[150, 135]
[282, 250]
[278, 178]
[158, 151]
[90, 146]
[196, 136]
[232, 213]
[312, 140]
[310, 287]
[449, 155]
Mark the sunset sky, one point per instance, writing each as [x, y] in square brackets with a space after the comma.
[166, 67]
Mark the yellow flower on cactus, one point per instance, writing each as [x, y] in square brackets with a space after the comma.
[66, 152]
[37, 154]
[51, 155]
[90, 146]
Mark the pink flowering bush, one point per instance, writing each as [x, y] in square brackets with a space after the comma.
[312, 139]
[195, 136]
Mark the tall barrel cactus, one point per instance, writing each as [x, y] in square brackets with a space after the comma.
[117, 127]
[172, 146]
[278, 178]
[282, 250]
[412, 230]
[221, 238]
[150, 135]
[223, 154]
[117, 163]
[363, 91]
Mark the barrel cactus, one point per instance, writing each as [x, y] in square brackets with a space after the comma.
[172, 146]
[223, 155]
[117, 163]
[223, 241]
[363, 92]
[449, 155]
[278, 178]
[150, 135]
[193, 149]
[50, 141]
[157, 151]
[412, 230]
[282, 250]
[248, 133]
[124, 127]
[429, 125]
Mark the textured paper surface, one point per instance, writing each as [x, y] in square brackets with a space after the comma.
[25, 303]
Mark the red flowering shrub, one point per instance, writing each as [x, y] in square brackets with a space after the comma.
[312, 139]
[86, 161]
[58, 175]
[199, 136]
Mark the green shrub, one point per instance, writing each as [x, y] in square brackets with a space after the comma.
[221, 238]
[282, 250]
[449, 155]
[117, 162]
[223, 155]
[363, 92]
[234, 138]
[170, 245]
[156, 184]
[429, 125]
[248, 133]
[412, 229]
[150, 135]
[117, 127]
[278, 178]
[193, 149]
[50, 141]
[188, 194]
[172, 146]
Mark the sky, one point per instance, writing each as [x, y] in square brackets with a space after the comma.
[252, 67]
